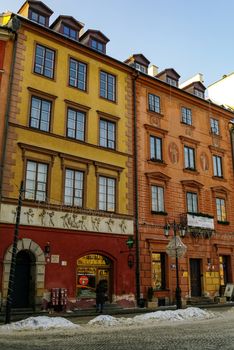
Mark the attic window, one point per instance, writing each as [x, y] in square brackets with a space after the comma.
[69, 32]
[198, 93]
[97, 45]
[140, 67]
[37, 17]
[171, 81]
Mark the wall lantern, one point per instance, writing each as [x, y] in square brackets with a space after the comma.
[130, 242]
[130, 260]
[47, 249]
[181, 229]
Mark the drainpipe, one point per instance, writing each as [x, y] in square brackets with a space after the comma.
[135, 157]
[231, 130]
[13, 26]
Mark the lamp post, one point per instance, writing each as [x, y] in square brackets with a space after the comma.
[176, 248]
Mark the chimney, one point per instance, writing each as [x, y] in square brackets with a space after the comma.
[197, 77]
[153, 70]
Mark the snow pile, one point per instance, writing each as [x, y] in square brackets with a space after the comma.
[40, 322]
[191, 313]
[104, 320]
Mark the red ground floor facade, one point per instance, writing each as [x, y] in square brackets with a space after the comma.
[72, 260]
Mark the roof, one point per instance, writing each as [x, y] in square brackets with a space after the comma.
[96, 32]
[67, 18]
[40, 3]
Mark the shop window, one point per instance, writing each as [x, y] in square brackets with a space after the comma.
[158, 271]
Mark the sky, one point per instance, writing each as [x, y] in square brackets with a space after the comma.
[190, 36]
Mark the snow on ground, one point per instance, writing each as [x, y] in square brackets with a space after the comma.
[46, 323]
[39, 322]
[191, 313]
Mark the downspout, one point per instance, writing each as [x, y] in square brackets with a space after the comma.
[15, 23]
[231, 130]
[135, 157]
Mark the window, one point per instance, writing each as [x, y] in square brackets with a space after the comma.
[76, 124]
[36, 17]
[214, 126]
[171, 81]
[107, 133]
[140, 67]
[107, 86]
[155, 148]
[154, 103]
[189, 158]
[69, 32]
[36, 181]
[192, 206]
[217, 164]
[97, 45]
[158, 271]
[106, 193]
[186, 115]
[40, 114]
[44, 61]
[221, 209]
[157, 199]
[198, 93]
[73, 194]
[77, 74]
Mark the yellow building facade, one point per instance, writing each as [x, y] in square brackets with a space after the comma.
[70, 141]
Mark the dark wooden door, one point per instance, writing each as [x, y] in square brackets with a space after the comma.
[195, 277]
[21, 293]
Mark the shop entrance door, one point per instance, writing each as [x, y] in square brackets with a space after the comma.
[91, 269]
[24, 287]
[195, 277]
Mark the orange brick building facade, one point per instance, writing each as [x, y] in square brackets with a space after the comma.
[184, 173]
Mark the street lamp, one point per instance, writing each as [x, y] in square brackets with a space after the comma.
[176, 248]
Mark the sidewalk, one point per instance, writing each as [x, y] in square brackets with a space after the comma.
[17, 315]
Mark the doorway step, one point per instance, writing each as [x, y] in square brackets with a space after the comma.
[200, 301]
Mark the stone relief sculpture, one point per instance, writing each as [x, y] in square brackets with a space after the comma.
[95, 223]
[123, 226]
[29, 214]
[110, 223]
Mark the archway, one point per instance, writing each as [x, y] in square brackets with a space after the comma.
[24, 287]
[92, 269]
[37, 286]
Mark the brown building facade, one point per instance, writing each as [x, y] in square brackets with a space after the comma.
[184, 176]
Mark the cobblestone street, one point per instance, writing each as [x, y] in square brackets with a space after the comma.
[215, 333]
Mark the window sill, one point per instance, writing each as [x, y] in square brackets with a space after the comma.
[219, 178]
[157, 162]
[223, 222]
[186, 124]
[159, 114]
[164, 213]
[106, 99]
[191, 171]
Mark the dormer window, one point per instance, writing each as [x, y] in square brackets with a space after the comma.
[140, 67]
[38, 18]
[69, 32]
[97, 45]
[36, 11]
[198, 93]
[171, 81]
